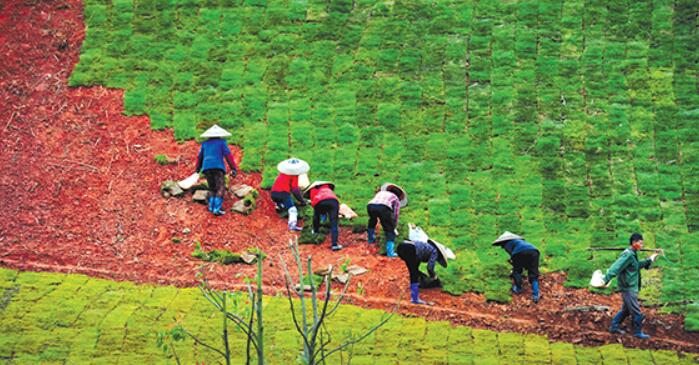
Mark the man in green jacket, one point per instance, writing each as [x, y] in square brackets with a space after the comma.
[627, 267]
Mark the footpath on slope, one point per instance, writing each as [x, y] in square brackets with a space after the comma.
[80, 189]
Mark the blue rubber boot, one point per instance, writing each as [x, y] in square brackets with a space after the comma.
[638, 327]
[616, 321]
[391, 249]
[517, 286]
[370, 235]
[535, 291]
[217, 206]
[211, 204]
[415, 294]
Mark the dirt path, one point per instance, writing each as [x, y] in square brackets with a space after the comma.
[80, 194]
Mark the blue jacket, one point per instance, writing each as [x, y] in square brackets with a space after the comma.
[425, 252]
[514, 247]
[212, 153]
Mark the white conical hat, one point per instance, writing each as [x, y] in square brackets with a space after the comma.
[506, 237]
[404, 199]
[293, 166]
[445, 252]
[215, 131]
[318, 183]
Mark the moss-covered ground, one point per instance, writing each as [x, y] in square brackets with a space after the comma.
[573, 123]
[48, 318]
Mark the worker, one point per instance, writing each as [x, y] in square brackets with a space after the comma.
[214, 150]
[627, 268]
[385, 207]
[523, 255]
[286, 184]
[325, 203]
[415, 252]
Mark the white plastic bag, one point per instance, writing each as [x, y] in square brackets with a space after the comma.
[416, 234]
[347, 212]
[597, 280]
[189, 182]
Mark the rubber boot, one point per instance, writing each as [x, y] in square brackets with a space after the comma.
[370, 235]
[616, 321]
[638, 327]
[535, 291]
[517, 286]
[218, 202]
[293, 218]
[391, 249]
[211, 204]
[415, 294]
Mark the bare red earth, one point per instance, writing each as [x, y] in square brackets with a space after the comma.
[80, 193]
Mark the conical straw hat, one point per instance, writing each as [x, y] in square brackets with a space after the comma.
[318, 183]
[506, 237]
[293, 166]
[215, 131]
[444, 251]
[402, 195]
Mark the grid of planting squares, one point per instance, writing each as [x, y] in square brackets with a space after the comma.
[572, 123]
[52, 318]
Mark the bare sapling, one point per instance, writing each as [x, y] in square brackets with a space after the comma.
[311, 325]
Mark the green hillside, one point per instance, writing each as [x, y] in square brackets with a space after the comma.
[73, 319]
[572, 123]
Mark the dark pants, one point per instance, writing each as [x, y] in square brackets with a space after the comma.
[331, 209]
[282, 199]
[407, 253]
[385, 215]
[216, 179]
[527, 259]
[630, 306]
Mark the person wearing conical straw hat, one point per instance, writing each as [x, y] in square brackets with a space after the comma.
[385, 207]
[415, 252]
[214, 150]
[286, 184]
[523, 255]
[325, 202]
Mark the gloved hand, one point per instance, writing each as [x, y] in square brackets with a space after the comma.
[234, 173]
[396, 232]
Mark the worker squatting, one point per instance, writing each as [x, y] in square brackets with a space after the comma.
[384, 208]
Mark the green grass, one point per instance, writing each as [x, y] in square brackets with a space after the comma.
[572, 123]
[60, 318]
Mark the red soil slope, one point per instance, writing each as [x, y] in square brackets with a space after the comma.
[80, 193]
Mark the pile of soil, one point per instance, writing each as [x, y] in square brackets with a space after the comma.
[80, 188]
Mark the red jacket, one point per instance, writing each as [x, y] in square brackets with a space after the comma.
[320, 193]
[285, 183]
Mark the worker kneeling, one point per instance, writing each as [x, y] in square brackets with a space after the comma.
[286, 184]
[628, 269]
[523, 255]
[420, 248]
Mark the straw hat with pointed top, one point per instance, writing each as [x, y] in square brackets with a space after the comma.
[444, 252]
[506, 237]
[215, 131]
[402, 195]
[293, 166]
[317, 183]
